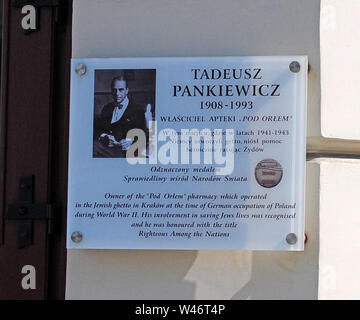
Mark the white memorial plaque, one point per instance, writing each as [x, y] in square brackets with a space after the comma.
[187, 153]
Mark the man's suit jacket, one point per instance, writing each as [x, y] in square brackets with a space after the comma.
[133, 118]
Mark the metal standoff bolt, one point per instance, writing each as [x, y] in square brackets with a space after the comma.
[291, 238]
[80, 69]
[295, 67]
[76, 237]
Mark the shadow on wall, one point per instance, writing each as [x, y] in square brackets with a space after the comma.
[283, 276]
[290, 275]
[130, 274]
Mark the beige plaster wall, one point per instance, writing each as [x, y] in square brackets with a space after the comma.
[137, 28]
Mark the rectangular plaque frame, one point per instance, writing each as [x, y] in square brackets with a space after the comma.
[237, 179]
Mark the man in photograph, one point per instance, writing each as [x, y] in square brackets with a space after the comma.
[116, 120]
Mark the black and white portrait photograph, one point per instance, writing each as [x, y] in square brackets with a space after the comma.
[124, 99]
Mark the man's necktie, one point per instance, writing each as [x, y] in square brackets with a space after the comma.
[117, 113]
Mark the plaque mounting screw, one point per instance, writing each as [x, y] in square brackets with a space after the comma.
[291, 238]
[80, 69]
[76, 237]
[295, 67]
